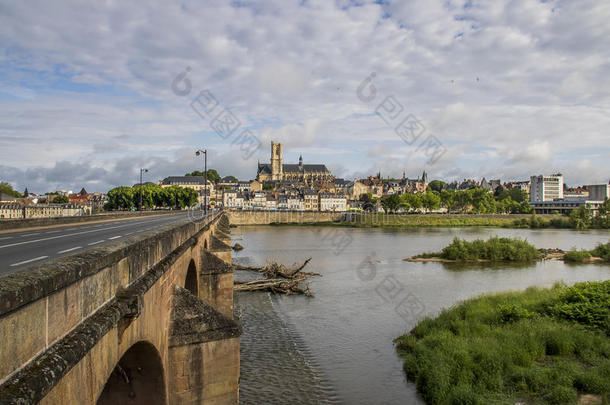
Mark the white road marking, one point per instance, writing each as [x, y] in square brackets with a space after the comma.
[28, 261]
[63, 236]
[6, 237]
[95, 243]
[30, 234]
[127, 234]
[114, 237]
[52, 231]
[69, 250]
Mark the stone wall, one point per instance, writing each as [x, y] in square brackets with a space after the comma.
[268, 217]
[8, 224]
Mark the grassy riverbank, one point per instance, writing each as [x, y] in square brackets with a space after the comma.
[494, 249]
[418, 220]
[537, 346]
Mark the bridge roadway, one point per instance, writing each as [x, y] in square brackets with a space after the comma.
[19, 250]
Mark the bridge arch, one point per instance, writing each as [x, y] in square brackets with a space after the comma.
[190, 282]
[138, 378]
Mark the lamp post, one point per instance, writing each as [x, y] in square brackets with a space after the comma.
[205, 178]
[141, 171]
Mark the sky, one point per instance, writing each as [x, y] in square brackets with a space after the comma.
[91, 92]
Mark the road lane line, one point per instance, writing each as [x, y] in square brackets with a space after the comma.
[28, 261]
[7, 237]
[114, 237]
[63, 236]
[69, 250]
[52, 231]
[95, 243]
[30, 234]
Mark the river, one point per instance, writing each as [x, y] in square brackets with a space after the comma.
[337, 347]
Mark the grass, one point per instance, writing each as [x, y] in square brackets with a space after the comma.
[536, 346]
[494, 249]
[582, 256]
[416, 220]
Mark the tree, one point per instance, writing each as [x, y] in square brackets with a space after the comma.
[368, 202]
[602, 219]
[500, 193]
[580, 218]
[213, 175]
[232, 178]
[437, 185]
[6, 188]
[517, 195]
[392, 203]
[412, 201]
[447, 199]
[61, 199]
[431, 201]
[120, 198]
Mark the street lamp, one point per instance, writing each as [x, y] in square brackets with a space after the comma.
[141, 171]
[205, 178]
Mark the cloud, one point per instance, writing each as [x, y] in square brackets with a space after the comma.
[509, 86]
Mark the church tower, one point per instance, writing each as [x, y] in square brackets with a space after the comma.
[277, 172]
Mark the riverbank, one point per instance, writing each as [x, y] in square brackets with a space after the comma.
[415, 220]
[538, 346]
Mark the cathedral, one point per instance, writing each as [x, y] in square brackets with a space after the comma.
[300, 172]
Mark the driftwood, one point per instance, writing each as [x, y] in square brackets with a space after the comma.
[278, 279]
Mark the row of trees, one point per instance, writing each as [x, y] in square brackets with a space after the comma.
[213, 175]
[153, 196]
[476, 200]
[583, 218]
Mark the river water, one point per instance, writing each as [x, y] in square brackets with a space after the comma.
[337, 347]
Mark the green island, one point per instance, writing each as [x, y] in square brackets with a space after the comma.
[600, 253]
[497, 249]
[538, 346]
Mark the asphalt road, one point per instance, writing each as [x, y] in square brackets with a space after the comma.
[28, 248]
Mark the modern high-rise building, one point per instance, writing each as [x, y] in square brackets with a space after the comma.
[546, 187]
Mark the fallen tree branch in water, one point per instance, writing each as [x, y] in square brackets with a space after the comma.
[279, 279]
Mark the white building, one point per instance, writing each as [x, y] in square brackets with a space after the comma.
[332, 202]
[295, 203]
[231, 199]
[546, 188]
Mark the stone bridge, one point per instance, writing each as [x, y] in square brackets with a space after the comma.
[145, 321]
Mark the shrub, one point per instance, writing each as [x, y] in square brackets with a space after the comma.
[540, 345]
[603, 251]
[577, 256]
[494, 249]
[562, 395]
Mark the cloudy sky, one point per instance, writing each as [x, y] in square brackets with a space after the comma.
[90, 92]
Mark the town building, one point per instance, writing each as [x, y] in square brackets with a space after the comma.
[332, 202]
[599, 192]
[276, 170]
[546, 188]
[310, 200]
